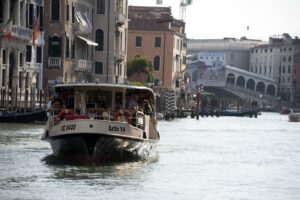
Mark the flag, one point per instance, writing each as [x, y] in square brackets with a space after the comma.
[36, 31]
[8, 37]
[5, 31]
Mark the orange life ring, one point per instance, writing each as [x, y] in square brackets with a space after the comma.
[125, 113]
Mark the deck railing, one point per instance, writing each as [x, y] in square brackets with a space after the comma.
[133, 117]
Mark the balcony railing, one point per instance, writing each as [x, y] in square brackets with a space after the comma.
[54, 62]
[119, 55]
[83, 66]
[21, 32]
[120, 19]
[79, 29]
[3, 66]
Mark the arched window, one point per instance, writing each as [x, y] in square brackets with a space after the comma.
[284, 59]
[99, 40]
[156, 63]
[55, 46]
[55, 10]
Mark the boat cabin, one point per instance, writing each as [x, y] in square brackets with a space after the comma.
[106, 101]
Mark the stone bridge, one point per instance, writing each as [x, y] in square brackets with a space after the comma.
[241, 83]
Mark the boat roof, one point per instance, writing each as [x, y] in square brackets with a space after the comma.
[102, 85]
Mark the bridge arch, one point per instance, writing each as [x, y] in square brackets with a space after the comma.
[250, 84]
[240, 81]
[271, 90]
[260, 87]
[230, 78]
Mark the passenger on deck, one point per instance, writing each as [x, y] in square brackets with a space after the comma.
[133, 102]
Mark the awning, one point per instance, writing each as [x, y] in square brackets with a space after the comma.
[88, 41]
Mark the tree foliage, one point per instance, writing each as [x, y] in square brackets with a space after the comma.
[140, 65]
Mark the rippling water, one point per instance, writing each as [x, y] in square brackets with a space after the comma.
[213, 158]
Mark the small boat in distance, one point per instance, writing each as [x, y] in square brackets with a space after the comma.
[294, 117]
[24, 117]
[98, 125]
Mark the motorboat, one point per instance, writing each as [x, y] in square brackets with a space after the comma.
[294, 117]
[97, 125]
[23, 117]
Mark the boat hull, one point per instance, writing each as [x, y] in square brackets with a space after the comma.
[24, 117]
[97, 148]
[294, 117]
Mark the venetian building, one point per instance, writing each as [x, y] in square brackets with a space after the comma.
[278, 60]
[85, 41]
[69, 44]
[155, 35]
[110, 25]
[20, 55]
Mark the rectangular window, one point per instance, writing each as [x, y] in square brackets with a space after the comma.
[28, 53]
[157, 41]
[1, 13]
[39, 54]
[67, 51]
[73, 49]
[98, 68]
[138, 41]
[41, 15]
[20, 79]
[31, 16]
[4, 57]
[21, 60]
[100, 6]
[73, 14]
[67, 12]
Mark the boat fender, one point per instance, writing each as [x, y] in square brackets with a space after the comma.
[125, 113]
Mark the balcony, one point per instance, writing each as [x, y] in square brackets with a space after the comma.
[21, 33]
[119, 55]
[81, 29]
[3, 66]
[54, 62]
[120, 19]
[83, 66]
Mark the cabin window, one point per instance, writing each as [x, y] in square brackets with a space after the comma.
[98, 99]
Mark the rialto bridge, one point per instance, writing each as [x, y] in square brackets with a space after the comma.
[240, 83]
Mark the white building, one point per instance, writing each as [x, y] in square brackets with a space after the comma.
[21, 68]
[276, 60]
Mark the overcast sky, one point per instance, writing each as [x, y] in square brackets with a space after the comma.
[216, 19]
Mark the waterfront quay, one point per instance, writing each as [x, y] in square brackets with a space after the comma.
[209, 158]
